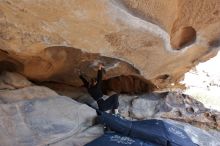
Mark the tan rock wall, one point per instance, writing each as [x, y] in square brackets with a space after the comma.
[135, 33]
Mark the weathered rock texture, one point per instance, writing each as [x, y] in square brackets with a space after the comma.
[44, 121]
[33, 115]
[199, 136]
[59, 121]
[173, 105]
[37, 116]
[155, 39]
[10, 80]
[14, 87]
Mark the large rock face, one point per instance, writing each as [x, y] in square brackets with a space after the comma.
[14, 87]
[38, 116]
[59, 121]
[173, 105]
[155, 39]
[33, 115]
[44, 121]
[200, 137]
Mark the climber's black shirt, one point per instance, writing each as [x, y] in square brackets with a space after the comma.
[96, 90]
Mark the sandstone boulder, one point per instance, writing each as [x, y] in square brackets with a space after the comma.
[81, 138]
[199, 136]
[52, 40]
[12, 80]
[173, 105]
[32, 92]
[15, 87]
[46, 121]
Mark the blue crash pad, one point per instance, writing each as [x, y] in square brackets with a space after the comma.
[115, 139]
[152, 131]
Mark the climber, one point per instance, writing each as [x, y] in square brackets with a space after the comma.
[94, 88]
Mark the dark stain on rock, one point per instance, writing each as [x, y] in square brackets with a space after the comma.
[129, 84]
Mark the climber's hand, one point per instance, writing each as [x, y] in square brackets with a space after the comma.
[101, 66]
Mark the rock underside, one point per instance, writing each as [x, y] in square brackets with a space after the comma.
[155, 42]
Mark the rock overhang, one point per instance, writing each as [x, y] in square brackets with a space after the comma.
[41, 40]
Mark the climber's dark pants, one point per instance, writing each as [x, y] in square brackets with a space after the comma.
[109, 104]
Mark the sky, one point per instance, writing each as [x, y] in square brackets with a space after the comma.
[203, 82]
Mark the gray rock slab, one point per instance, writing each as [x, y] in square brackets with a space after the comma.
[43, 121]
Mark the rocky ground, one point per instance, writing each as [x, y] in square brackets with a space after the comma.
[37, 115]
